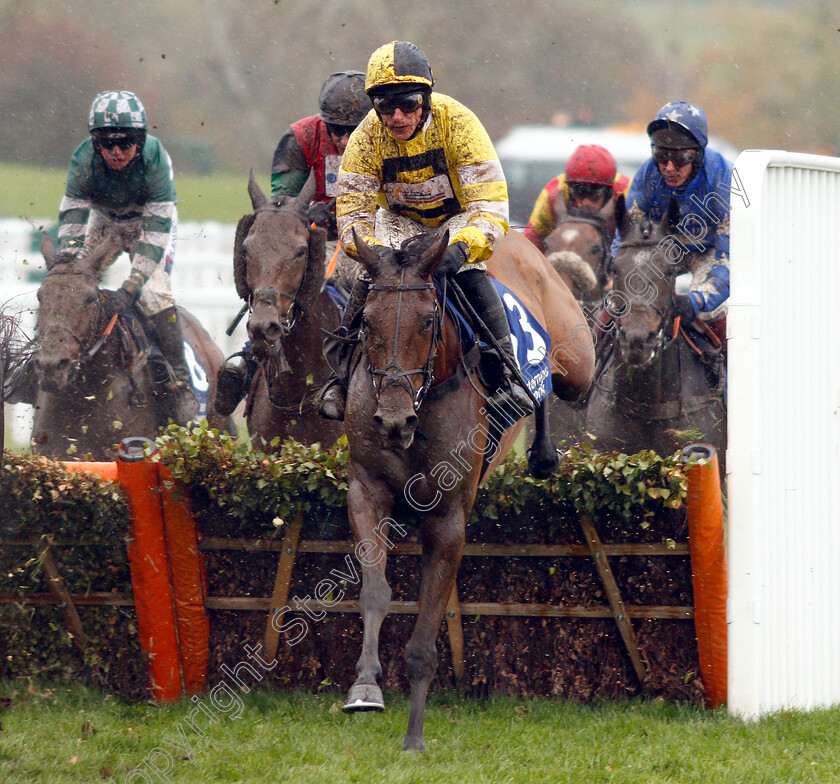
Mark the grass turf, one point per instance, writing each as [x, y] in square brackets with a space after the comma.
[69, 734]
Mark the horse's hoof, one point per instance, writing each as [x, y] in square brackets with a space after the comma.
[542, 466]
[364, 697]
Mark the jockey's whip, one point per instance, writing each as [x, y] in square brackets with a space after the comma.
[491, 339]
[235, 323]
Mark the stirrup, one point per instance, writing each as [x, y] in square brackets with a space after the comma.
[511, 397]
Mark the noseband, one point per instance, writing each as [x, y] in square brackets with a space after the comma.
[394, 373]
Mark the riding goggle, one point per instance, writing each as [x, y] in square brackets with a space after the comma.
[339, 131]
[124, 142]
[680, 158]
[406, 103]
[588, 190]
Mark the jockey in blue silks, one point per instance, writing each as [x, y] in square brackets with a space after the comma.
[683, 166]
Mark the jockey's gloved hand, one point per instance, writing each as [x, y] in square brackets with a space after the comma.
[684, 308]
[119, 301]
[453, 258]
[321, 213]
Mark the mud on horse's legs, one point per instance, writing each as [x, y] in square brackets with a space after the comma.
[443, 545]
[369, 507]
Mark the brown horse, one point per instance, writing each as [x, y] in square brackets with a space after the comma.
[579, 249]
[662, 385]
[95, 384]
[279, 271]
[419, 431]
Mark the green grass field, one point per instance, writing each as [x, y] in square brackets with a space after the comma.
[68, 734]
[34, 194]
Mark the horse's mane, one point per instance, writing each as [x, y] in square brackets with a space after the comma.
[412, 249]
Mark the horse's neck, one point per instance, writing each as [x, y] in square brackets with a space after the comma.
[303, 344]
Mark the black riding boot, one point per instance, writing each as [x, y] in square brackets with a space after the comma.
[332, 396]
[511, 396]
[233, 381]
[181, 402]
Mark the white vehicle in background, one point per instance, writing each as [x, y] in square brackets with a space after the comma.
[531, 155]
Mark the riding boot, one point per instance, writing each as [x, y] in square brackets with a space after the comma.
[511, 396]
[233, 381]
[332, 396]
[180, 400]
[22, 385]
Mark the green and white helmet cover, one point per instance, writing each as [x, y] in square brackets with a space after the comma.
[117, 109]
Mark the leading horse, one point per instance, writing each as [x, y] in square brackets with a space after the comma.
[420, 432]
[96, 384]
[279, 267]
[662, 381]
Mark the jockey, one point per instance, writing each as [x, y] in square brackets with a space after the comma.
[700, 178]
[313, 145]
[589, 183]
[120, 181]
[316, 144]
[430, 166]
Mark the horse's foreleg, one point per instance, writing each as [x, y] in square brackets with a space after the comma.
[368, 514]
[443, 544]
[542, 456]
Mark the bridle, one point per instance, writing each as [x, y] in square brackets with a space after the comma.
[665, 312]
[394, 373]
[268, 295]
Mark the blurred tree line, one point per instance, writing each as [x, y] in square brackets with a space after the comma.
[223, 79]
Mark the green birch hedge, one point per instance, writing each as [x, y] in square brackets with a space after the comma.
[236, 491]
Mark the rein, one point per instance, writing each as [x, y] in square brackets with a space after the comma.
[394, 373]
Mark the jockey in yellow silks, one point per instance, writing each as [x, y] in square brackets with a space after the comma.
[421, 163]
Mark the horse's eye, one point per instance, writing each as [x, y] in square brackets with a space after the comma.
[429, 321]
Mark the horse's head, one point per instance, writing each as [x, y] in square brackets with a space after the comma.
[644, 270]
[579, 248]
[400, 331]
[278, 265]
[70, 311]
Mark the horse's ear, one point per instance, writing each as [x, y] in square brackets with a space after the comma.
[240, 263]
[622, 216]
[432, 255]
[305, 196]
[368, 257]
[671, 219]
[258, 199]
[48, 250]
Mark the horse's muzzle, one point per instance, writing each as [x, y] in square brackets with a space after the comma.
[54, 375]
[395, 429]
